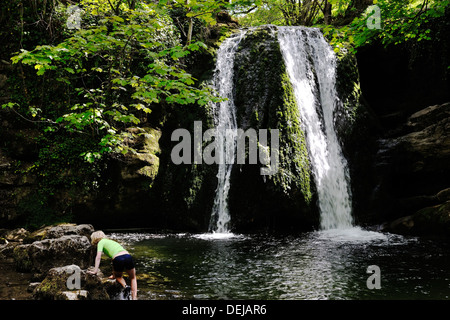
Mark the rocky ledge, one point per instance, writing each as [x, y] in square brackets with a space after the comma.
[414, 174]
[57, 258]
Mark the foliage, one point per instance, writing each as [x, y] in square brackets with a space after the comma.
[400, 21]
[294, 12]
[265, 14]
[205, 11]
[112, 71]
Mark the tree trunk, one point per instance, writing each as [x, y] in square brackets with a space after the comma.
[327, 13]
[191, 26]
[189, 35]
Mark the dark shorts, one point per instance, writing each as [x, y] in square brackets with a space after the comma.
[122, 262]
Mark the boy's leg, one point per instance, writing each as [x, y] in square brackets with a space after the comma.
[119, 278]
[132, 275]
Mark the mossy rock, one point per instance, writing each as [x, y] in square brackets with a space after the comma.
[433, 220]
[264, 99]
[55, 285]
[22, 260]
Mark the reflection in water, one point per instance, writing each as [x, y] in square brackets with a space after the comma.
[317, 265]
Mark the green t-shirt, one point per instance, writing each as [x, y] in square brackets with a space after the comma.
[109, 247]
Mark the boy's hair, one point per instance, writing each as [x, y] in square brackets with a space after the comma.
[96, 237]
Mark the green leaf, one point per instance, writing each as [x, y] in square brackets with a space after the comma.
[9, 105]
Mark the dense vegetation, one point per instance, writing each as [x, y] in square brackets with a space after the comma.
[84, 76]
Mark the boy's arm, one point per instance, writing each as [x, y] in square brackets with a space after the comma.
[98, 258]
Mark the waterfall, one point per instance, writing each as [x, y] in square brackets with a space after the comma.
[224, 120]
[311, 65]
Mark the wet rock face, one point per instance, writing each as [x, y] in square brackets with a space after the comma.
[428, 142]
[40, 256]
[413, 171]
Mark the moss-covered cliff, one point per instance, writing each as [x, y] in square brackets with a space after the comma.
[264, 99]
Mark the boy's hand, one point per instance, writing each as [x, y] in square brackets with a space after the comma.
[92, 271]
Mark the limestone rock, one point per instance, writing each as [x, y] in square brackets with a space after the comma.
[52, 232]
[16, 235]
[75, 295]
[7, 249]
[428, 116]
[433, 220]
[40, 256]
[145, 161]
[70, 282]
[430, 221]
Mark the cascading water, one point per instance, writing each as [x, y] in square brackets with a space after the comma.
[225, 121]
[311, 65]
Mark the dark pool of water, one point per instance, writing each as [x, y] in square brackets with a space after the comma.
[316, 265]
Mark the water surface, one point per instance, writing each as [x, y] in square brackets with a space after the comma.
[330, 264]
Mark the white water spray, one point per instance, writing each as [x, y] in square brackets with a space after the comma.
[224, 118]
[311, 65]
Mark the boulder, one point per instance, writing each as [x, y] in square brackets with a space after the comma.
[433, 220]
[16, 235]
[412, 164]
[70, 282]
[401, 225]
[40, 256]
[444, 195]
[52, 232]
[428, 145]
[10, 239]
[114, 289]
[430, 221]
